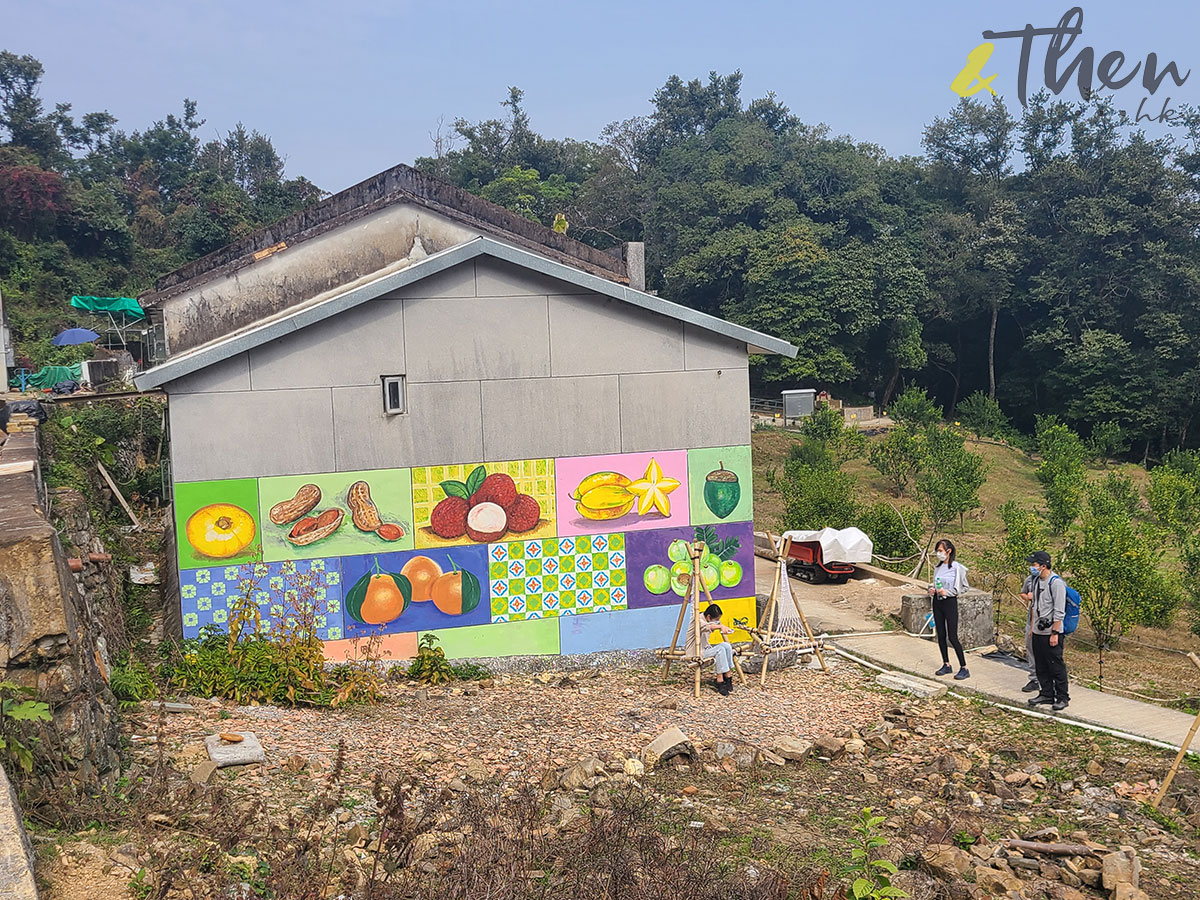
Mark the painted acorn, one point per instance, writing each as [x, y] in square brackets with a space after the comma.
[722, 491]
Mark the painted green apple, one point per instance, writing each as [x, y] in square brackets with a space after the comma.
[678, 551]
[657, 579]
[722, 491]
[680, 577]
[711, 576]
[731, 573]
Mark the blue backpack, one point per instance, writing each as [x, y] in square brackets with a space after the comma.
[1071, 618]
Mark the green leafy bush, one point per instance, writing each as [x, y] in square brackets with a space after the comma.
[889, 529]
[982, 416]
[132, 682]
[950, 477]
[872, 878]
[1062, 472]
[817, 497]
[1107, 441]
[898, 457]
[914, 408]
[431, 665]
[16, 743]
[827, 427]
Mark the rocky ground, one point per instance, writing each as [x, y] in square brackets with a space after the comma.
[779, 775]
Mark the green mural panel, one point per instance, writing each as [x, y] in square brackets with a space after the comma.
[719, 485]
[533, 637]
[216, 522]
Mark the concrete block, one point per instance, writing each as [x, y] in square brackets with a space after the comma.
[444, 423]
[472, 338]
[672, 410]
[253, 433]
[597, 335]
[669, 744]
[976, 625]
[704, 350]
[534, 417]
[910, 684]
[246, 752]
[231, 374]
[354, 347]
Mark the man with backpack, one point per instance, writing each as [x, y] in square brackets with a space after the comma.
[1047, 615]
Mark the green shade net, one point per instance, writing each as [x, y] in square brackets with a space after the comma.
[126, 305]
[48, 376]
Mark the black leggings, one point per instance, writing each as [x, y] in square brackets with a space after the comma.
[945, 619]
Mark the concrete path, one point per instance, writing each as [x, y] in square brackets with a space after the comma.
[991, 679]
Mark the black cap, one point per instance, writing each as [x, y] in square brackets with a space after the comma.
[1041, 557]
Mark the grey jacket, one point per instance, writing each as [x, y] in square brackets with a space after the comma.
[1049, 602]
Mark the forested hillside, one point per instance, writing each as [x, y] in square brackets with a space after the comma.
[1051, 260]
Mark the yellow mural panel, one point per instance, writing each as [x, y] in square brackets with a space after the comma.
[449, 502]
[741, 608]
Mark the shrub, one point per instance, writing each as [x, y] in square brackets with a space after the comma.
[950, 477]
[808, 454]
[886, 527]
[898, 457]
[1061, 472]
[131, 682]
[982, 416]
[827, 427]
[817, 497]
[914, 408]
[1108, 440]
[431, 665]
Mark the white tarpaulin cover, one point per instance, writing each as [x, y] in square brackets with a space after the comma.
[848, 545]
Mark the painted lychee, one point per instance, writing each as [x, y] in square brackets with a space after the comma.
[486, 522]
[497, 488]
[449, 518]
[523, 514]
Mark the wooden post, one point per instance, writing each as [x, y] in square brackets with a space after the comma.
[1162, 791]
[781, 550]
[675, 639]
[117, 493]
[812, 637]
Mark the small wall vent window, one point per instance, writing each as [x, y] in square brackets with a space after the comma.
[393, 395]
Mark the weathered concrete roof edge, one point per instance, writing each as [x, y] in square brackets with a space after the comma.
[400, 183]
[300, 316]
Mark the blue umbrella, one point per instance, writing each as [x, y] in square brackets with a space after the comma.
[75, 336]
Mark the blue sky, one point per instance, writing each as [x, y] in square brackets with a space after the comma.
[346, 89]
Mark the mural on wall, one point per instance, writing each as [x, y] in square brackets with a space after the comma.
[479, 553]
[216, 522]
[566, 576]
[659, 565]
[719, 485]
[287, 595]
[732, 610]
[340, 514]
[483, 503]
[422, 590]
[622, 492]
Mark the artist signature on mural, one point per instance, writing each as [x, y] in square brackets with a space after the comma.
[1059, 68]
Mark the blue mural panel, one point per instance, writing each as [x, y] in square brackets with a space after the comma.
[286, 594]
[633, 629]
[435, 603]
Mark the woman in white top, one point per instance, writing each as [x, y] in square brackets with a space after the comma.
[949, 580]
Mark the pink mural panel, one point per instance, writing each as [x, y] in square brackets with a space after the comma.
[621, 492]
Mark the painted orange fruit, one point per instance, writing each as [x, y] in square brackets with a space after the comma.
[384, 601]
[456, 592]
[422, 572]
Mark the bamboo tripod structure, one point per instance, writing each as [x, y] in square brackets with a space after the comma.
[1162, 791]
[692, 598]
[763, 637]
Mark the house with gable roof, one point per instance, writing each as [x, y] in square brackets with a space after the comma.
[407, 410]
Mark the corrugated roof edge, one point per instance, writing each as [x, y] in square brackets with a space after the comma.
[303, 315]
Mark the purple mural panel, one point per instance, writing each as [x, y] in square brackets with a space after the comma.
[653, 564]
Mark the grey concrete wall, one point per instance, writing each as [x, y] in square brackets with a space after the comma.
[501, 363]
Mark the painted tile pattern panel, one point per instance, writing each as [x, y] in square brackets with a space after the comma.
[566, 576]
[284, 593]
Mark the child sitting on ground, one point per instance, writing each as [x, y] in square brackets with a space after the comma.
[721, 654]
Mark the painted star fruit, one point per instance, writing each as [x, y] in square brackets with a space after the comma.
[378, 597]
[652, 490]
[681, 577]
[456, 592]
[603, 495]
[731, 573]
[657, 579]
[722, 491]
[220, 530]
